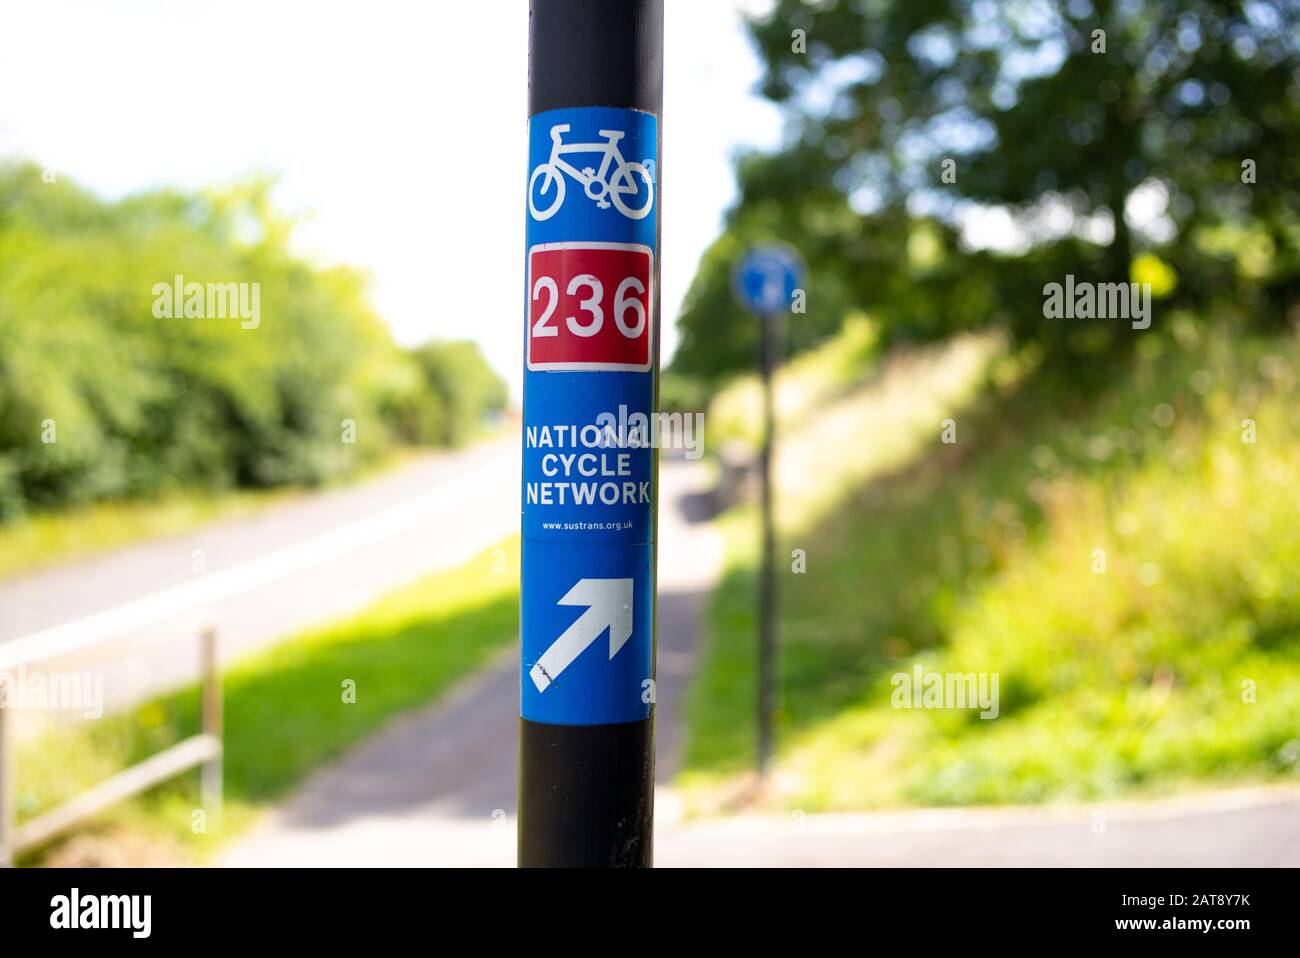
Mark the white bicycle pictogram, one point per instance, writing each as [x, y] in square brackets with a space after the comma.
[619, 185]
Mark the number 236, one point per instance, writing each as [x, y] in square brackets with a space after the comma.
[625, 302]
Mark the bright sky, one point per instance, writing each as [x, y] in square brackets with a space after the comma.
[398, 126]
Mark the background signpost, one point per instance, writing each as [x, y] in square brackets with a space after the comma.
[765, 282]
[591, 348]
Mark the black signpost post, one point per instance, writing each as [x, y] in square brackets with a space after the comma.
[768, 345]
[586, 751]
[765, 281]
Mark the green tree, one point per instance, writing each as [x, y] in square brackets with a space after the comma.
[1103, 129]
[462, 384]
[103, 396]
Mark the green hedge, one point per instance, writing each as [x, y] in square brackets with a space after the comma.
[101, 397]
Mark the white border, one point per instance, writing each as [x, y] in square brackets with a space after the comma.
[590, 367]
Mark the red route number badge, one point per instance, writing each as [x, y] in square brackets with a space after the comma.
[590, 307]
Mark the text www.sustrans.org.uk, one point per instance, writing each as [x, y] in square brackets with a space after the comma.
[1203, 925]
[574, 526]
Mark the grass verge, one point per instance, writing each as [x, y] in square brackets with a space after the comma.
[1124, 564]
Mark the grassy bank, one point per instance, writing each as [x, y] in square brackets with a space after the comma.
[1124, 564]
[287, 711]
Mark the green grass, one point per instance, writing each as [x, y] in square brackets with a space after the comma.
[978, 557]
[285, 713]
[804, 383]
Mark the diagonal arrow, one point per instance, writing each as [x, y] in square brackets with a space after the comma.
[610, 607]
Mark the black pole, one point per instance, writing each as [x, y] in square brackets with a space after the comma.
[586, 784]
[767, 571]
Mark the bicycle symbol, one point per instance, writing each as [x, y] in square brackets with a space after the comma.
[620, 186]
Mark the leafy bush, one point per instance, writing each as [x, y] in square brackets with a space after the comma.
[462, 384]
[100, 398]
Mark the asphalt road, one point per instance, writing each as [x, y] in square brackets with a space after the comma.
[1239, 828]
[438, 786]
[261, 578]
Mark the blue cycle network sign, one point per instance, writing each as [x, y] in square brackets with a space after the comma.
[591, 268]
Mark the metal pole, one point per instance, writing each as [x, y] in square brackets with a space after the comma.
[767, 572]
[591, 335]
[210, 786]
[8, 787]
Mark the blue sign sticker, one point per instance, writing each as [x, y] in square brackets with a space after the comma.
[766, 279]
[591, 270]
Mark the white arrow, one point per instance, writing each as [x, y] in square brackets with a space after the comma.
[610, 602]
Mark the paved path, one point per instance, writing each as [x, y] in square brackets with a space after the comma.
[1240, 828]
[266, 576]
[437, 787]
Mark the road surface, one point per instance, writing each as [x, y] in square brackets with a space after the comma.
[261, 578]
[1240, 828]
[438, 787]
